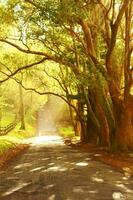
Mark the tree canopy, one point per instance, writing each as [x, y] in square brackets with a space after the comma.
[79, 50]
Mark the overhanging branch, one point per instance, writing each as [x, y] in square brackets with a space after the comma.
[20, 69]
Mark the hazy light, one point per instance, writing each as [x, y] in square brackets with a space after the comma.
[47, 139]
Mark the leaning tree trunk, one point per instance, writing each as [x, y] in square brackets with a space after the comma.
[98, 133]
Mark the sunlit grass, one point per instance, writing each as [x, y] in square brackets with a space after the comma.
[66, 131]
[8, 142]
[21, 134]
[15, 137]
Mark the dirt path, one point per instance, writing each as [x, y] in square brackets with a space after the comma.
[52, 171]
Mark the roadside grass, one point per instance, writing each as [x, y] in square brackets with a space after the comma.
[8, 142]
[15, 138]
[67, 131]
[22, 134]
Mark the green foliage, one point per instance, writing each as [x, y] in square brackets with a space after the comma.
[66, 131]
[22, 134]
[56, 29]
[8, 142]
[15, 137]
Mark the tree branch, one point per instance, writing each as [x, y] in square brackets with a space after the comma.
[47, 93]
[22, 68]
[56, 59]
[25, 50]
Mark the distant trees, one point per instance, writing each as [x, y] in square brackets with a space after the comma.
[91, 43]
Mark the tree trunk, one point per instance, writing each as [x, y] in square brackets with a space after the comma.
[92, 133]
[124, 131]
[81, 120]
[22, 120]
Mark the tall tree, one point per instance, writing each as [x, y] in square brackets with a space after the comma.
[86, 37]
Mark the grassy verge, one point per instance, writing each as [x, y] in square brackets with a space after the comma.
[10, 147]
[12, 144]
[8, 142]
[21, 134]
[66, 131]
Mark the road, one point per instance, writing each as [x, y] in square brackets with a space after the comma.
[50, 170]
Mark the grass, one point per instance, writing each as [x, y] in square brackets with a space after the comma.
[66, 131]
[15, 138]
[8, 142]
[21, 134]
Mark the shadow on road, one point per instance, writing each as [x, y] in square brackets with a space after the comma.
[49, 170]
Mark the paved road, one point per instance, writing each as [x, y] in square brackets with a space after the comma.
[49, 170]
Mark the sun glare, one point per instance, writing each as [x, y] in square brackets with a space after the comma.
[55, 139]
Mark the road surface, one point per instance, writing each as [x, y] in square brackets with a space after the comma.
[49, 170]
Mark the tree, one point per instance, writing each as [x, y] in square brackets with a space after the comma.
[86, 37]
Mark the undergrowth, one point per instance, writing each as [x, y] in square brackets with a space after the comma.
[66, 131]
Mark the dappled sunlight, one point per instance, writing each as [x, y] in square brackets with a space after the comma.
[78, 190]
[97, 155]
[118, 196]
[82, 164]
[48, 172]
[44, 159]
[19, 172]
[52, 197]
[66, 100]
[36, 169]
[126, 189]
[93, 191]
[96, 179]
[87, 159]
[50, 164]
[56, 169]
[49, 186]
[23, 165]
[16, 188]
